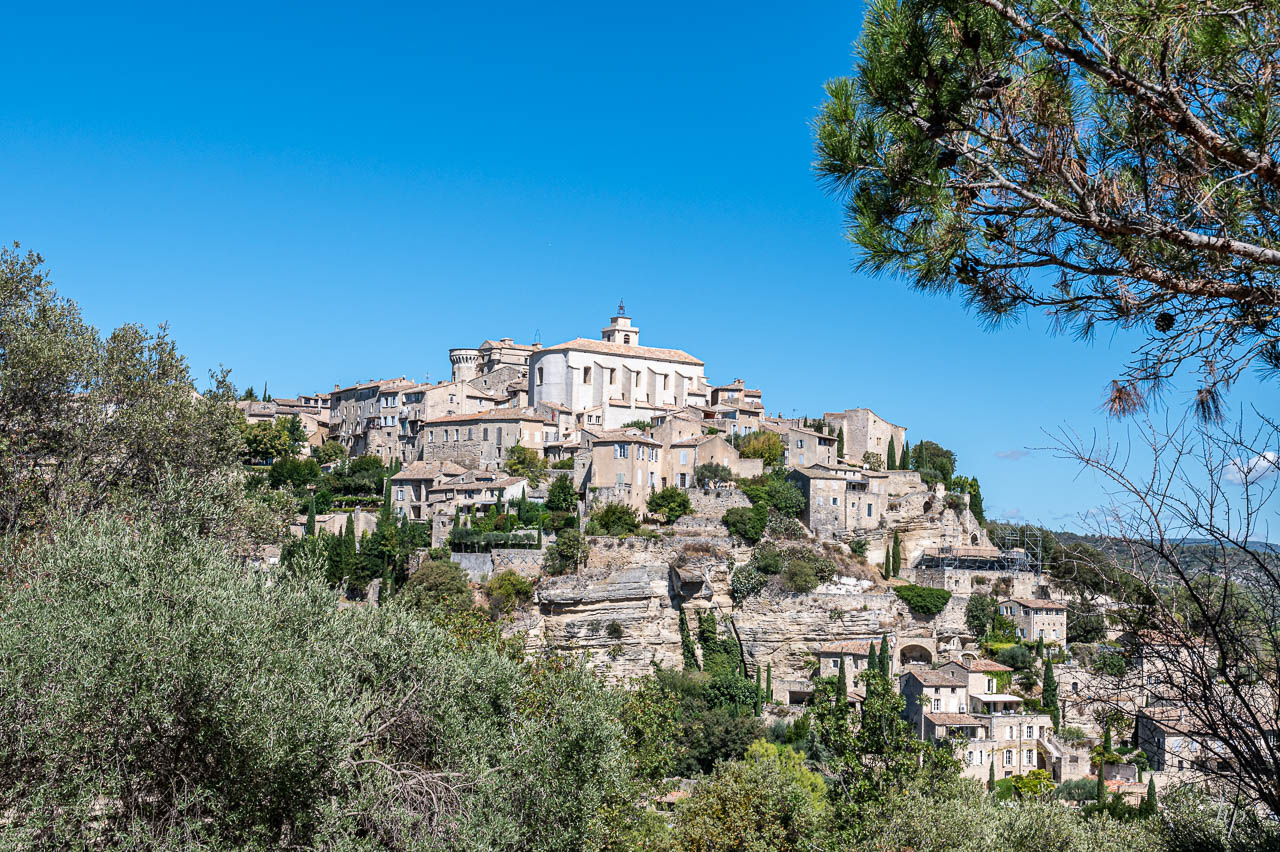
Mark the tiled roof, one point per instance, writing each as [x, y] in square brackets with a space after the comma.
[1036, 603]
[429, 470]
[951, 719]
[582, 344]
[490, 414]
[981, 665]
[614, 436]
[851, 646]
[819, 472]
[933, 677]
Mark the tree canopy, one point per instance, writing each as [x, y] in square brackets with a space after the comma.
[1110, 164]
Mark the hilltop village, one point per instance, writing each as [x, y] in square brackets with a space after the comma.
[668, 507]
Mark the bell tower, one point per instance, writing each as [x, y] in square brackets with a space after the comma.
[620, 330]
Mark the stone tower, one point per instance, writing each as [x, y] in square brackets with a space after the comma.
[620, 330]
[465, 364]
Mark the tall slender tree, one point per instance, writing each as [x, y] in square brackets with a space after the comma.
[1049, 695]
[897, 555]
[842, 684]
[768, 682]
[888, 561]
[686, 645]
[904, 460]
[991, 773]
[840, 443]
[311, 516]
[1148, 806]
[891, 457]
[759, 691]
[886, 661]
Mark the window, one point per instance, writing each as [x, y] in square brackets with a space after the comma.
[1075, 686]
[586, 375]
[991, 685]
[937, 704]
[800, 444]
[652, 479]
[484, 433]
[684, 480]
[469, 433]
[1008, 757]
[684, 457]
[626, 339]
[399, 493]
[1031, 757]
[1031, 731]
[868, 510]
[653, 454]
[539, 375]
[835, 501]
[619, 479]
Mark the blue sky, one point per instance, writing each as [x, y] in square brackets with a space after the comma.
[314, 195]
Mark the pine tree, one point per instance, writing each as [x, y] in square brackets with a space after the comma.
[842, 685]
[759, 691]
[1148, 806]
[904, 461]
[768, 682]
[897, 555]
[311, 517]
[686, 645]
[886, 662]
[891, 457]
[1049, 695]
[991, 773]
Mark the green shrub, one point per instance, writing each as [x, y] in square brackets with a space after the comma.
[745, 582]
[672, 502]
[780, 526]
[614, 630]
[858, 547]
[705, 474]
[566, 554]
[562, 464]
[746, 524]
[615, 519]
[507, 590]
[799, 577]
[923, 601]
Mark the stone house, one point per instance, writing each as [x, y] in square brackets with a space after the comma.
[840, 499]
[737, 393]
[1174, 741]
[856, 653]
[802, 447]
[365, 417]
[865, 431]
[684, 456]
[411, 487]
[931, 691]
[481, 440]
[616, 375]
[475, 489]
[626, 466]
[490, 358]
[1037, 619]
[980, 675]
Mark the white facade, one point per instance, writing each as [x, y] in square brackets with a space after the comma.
[615, 374]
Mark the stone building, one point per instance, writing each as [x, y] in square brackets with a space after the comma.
[801, 446]
[615, 377]
[840, 499]
[865, 431]
[490, 357]
[626, 466]
[365, 417]
[1037, 619]
[411, 487]
[481, 440]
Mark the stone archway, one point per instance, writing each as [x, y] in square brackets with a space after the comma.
[911, 653]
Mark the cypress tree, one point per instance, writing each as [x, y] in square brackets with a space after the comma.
[888, 561]
[840, 444]
[873, 659]
[1049, 695]
[768, 682]
[759, 691]
[886, 662]
[1101, 793]
[842, 685]
[686, 645]
[891, 457]
[1040, 647]
[897, 555]
[991, 774]
[904, 461]
[1106, 738]
[311, 517]
[1148, 806]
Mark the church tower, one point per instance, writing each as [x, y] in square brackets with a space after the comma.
[620, 329]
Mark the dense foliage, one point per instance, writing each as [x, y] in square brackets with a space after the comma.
[924, 601]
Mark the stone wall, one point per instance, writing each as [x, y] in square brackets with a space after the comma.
[715, 502]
